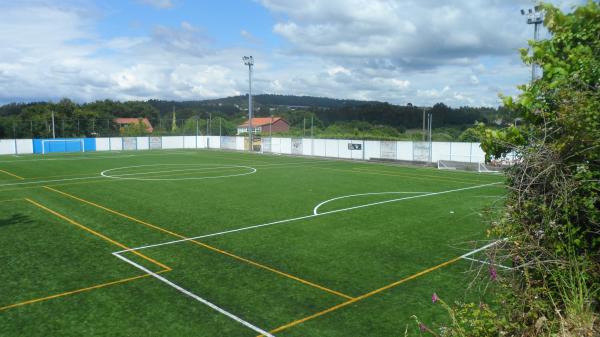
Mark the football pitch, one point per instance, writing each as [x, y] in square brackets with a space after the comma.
[215, 243]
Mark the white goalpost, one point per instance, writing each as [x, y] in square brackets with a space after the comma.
[466, 166]
[67, 143]
[485, 168]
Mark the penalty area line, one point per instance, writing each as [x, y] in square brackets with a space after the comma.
[379, 290]
[194, 296]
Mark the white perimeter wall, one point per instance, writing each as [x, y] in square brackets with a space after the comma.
[116, 143]
[172, 142]
[102, 144]
[215, 142]
[24, 146]
[7, 146]
[333, 148]
[189, 142]
[239, 143]
[307, 147]
[143, 143]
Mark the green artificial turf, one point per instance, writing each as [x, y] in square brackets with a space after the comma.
[61, 220]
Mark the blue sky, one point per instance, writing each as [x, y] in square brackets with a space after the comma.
[460, 52]
[221, 20]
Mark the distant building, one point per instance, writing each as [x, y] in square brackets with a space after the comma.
[132, 121]
[265, 125]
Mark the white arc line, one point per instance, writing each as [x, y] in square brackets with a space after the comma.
[315, 210]
[304, 217]
[122, 176]
[194, 296]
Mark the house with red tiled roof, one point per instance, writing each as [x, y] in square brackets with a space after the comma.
[265, 125]
[132, 121]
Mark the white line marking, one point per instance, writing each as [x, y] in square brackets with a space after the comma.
[104, 173]
[486, 262]
[305, 217]
[315, 210]
[171, 171]
[483, 248]
[98, 176]
[194, 296]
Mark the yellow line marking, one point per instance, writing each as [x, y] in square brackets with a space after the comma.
[65, 175]
[12, 175]
[256, 264]
[362, 297]
[91, 181]
[102, 236]
[77, 291]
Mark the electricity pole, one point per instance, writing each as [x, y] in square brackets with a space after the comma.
[249, 61]
[430, 123]
[535, 17]
[303, 127]
[423, 123]
[53, 132]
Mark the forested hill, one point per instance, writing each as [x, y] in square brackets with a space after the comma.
[230, 105]
[31, 119]
[289, 100]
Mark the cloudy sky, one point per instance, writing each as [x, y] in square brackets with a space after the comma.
[420, 51]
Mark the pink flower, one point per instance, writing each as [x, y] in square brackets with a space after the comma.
[434, 298]
[493, 273]
[422, 327]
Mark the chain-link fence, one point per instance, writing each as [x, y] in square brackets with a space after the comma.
[69, 128]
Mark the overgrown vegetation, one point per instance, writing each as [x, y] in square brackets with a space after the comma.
[551, 219]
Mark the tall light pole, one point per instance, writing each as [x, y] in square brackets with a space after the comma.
[249, 61]
[53, 133]
[535, 17]
[430, 126]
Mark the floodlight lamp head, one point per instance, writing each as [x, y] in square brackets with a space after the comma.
[530, 11]
[522, 12]
[248, 60]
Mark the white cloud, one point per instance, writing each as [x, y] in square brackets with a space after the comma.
[421, 52]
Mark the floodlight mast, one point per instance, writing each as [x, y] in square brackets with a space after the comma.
[249, 61]
[535, 17]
